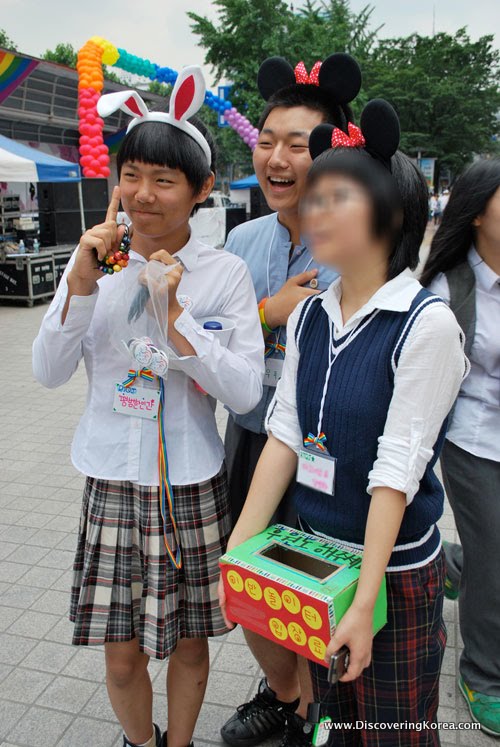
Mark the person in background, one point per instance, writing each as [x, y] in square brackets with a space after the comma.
[373, 367]
[284, 273]
[464, 269]
[436, 209]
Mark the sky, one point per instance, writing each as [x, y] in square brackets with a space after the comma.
[160, 30]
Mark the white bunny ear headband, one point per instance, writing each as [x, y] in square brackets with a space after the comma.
[186, 99]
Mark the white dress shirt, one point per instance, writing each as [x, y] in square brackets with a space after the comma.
[430, 370]
[112, 446]
[476, 420]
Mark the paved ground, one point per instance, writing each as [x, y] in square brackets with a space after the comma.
[52, 694]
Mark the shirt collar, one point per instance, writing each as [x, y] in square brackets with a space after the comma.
[395, 295]
[188, 255]
[486, 278]
[283, 235]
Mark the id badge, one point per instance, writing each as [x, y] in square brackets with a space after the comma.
[137, 401]
[274, 371]
[316, 469]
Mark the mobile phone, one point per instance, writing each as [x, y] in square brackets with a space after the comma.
[339, 662]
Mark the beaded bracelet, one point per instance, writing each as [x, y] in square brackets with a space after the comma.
[262, 316]
[116, 261]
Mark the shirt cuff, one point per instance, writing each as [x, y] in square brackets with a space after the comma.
[400, 465]
[79, 314]
[200, 339]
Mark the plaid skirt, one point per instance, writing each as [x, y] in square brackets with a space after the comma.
[401, 685]
[124, 585]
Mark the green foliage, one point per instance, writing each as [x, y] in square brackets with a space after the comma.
[445, 87]
[248, 31]
[64, 54]
[445, 90]
[6, 42]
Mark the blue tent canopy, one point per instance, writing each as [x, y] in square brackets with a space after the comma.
[247, 183]
[20, 163]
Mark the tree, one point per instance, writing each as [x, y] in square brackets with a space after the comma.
[6, 42]
[248, 31]
[64, 54]
[445, 90]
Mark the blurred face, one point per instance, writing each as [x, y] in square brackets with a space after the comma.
[157, 199]
[488, 224]
[336, 217]
[281, 158]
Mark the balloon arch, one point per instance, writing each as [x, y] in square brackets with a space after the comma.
[96, 52]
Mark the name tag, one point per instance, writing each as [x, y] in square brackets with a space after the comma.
[316, 470]
[274, 371]
[137, 401]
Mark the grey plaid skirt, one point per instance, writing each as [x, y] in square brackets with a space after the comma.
[124, 585]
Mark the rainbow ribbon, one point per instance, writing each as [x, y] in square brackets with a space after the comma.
[144, 373]
[318, 441]
[166, 492]
[274, 347]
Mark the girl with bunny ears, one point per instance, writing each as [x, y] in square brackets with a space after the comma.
[372, 369]
[145, 580]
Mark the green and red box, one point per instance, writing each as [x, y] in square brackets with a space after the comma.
[293, 588]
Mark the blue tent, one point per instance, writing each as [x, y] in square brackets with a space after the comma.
[20, 163]
[247, 183]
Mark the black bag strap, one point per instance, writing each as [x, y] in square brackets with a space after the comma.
[462, 285]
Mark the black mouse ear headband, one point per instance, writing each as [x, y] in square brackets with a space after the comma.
[378, 134]
[339, 75]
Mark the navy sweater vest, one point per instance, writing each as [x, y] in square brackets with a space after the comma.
[356, 406]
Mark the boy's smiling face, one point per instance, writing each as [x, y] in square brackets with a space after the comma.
[157, 199]
[281, 158]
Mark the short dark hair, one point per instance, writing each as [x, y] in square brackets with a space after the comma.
[399, 199]
[469, 199]
[312, 97]
[162, 144]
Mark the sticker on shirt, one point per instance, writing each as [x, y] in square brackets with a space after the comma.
[137, 401]
[316, 469]
[274, 371]
[185, 301]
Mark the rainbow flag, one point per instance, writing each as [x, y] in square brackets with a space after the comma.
[115, 140]
[13, 70]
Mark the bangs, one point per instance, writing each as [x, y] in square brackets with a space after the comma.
[311, 97]
[161, 144]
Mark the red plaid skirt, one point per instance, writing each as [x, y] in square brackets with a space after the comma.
[124, 585]
[401, 685]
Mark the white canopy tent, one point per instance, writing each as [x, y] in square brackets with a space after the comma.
[20, 163]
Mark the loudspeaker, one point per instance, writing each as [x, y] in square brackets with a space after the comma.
[56, 196]
[64, 227]
[234, 216]
[258, 204]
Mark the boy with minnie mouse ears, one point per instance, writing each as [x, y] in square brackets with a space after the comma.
[284, 273]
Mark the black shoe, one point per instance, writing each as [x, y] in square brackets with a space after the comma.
[262, 717]
[159, 738]
[298, 732]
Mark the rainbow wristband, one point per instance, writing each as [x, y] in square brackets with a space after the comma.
[262, 316]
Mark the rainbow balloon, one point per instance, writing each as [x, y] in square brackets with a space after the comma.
[96, 52]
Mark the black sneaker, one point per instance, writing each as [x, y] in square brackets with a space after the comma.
[159, 738]
[298, 732]
[262, 717]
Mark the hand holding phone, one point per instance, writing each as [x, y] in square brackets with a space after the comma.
[339, 662]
